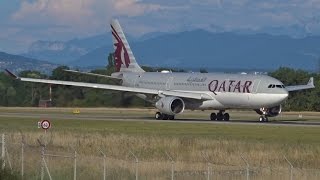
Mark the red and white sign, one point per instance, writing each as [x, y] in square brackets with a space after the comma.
[45, 124]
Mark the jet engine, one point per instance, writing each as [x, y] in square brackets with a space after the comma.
[270, 112]
[170, 105]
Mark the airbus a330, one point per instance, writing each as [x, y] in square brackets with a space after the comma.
[172, 93]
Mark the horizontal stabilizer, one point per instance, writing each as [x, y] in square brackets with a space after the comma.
[92, 74]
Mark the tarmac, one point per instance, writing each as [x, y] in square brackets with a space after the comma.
[148, 118]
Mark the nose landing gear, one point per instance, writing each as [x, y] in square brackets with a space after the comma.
[263, 112]
[263, 119]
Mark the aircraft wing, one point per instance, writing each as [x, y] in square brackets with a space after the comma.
[310, 85]
[190, 95]
[91, 74]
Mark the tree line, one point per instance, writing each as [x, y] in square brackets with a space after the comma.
[25, 94]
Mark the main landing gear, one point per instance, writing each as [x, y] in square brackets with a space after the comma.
[161, 116]
[220, 116]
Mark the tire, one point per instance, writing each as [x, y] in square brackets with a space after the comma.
[226, 117]
[261, 119]
[213, 116]
[219, 116]
[171, 117]
[165, 117]
[158, 116]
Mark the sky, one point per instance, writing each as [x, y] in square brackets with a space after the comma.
[25, 21]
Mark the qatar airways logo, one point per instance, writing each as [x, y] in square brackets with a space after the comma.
[196, 79]
[121, 55]
[230, 86]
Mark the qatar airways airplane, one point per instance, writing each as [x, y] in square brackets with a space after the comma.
[172, 93]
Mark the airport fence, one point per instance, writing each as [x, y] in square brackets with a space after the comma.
[39, 160]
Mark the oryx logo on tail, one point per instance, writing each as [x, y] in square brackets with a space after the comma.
[120, 54]
[124, 58]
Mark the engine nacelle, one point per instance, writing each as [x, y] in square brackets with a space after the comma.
[270, 112]
[170, 105]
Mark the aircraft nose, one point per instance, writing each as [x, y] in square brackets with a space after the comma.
[285, 95]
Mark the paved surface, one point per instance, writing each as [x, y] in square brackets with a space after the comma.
[121, 117]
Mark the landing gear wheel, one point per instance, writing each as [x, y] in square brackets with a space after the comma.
[263, 119]
[220, 116]
[165, 117]
[171, 117]
[213, 116]
[158, 116]
[226, 116]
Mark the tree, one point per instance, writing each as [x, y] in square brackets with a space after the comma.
[111, 64]
[305, 100]
[59, 73]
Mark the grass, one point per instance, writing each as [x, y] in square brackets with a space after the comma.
[262, 146]
[247, 133]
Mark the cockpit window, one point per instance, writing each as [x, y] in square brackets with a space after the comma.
[275, 86]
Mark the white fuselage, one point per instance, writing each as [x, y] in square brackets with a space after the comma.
[228, 90]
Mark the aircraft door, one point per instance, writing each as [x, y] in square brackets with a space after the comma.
[137, 78]
[169, 82]
[256, 84]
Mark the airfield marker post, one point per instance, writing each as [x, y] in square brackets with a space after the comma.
[22, 156]
[247, 164]
[8, 159]
[104, 164]
[75, 165]
[42, 159]
[45, 125]
[47, 169]
[208, 163]
[136, 164]
[291, 167]
[3, 151]
[172, 165]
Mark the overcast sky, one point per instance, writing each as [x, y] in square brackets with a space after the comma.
[25, 21]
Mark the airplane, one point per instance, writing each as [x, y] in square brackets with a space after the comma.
[172, 93]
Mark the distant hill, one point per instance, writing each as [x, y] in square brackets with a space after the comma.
[19, 63]
[63, 52]
[199, 48]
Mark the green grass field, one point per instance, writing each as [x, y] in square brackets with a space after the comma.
[262, 146]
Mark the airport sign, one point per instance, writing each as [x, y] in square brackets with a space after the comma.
[45, 124]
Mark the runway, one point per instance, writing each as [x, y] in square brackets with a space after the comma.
[149, 118]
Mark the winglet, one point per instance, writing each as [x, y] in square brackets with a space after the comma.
[310, 82]
[11, 74]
